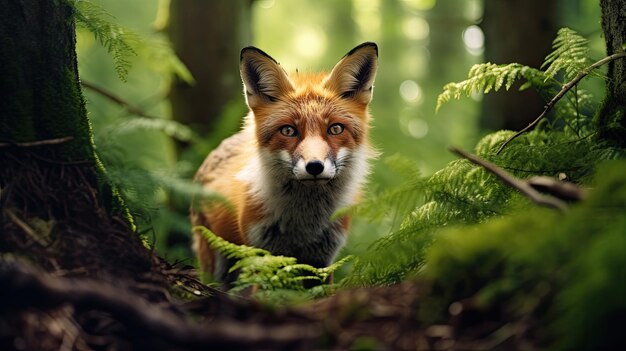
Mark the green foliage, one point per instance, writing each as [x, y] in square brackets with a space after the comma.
[123, 44]
[171, 128]
[117, 40]
[570, 55]
[143, 190]
[464, 194]
[562, 271]
[258, 268]
[486, 77]
[395, 202]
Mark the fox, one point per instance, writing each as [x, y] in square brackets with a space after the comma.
[302, 153]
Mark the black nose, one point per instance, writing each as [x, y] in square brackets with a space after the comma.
[315, 167]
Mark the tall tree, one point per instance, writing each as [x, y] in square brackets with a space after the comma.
[56, 205]
[516, 31]
[207, 36]
[612, 115]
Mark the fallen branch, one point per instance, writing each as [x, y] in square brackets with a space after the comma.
[563, 190]
[522, 186]
[22, 286]
[582, 74]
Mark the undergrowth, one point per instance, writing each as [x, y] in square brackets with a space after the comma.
[465, 196]
[559, 275]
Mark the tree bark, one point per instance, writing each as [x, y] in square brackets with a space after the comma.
[611, 117]
[207, 36]
[56, 206]
[516, 31]
[41, 97]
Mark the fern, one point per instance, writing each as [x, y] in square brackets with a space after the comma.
[115, 39]
[171, 128]
[123, 43]
[394, 203]
[226, 248]
[160, 56]
[486, 77]
[462, 194]
[261, 269]
[563, 271]
[569, 54]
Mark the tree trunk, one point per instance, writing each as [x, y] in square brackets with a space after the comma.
[41, 95]
[516, 31]
[56, 205]
[207, 36]
[611, 117]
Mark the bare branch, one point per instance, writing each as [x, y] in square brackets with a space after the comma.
[569, 85]
[563, 190]
[118, 100]
[522, 186]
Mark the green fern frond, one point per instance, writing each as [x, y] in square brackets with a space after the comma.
[117, 40]
[123, 43]
[171, 128]
[462, 193]
[159, 55]
[485, 77]
[394, 203]
[259, 268]
[227, 248]
[569, 54]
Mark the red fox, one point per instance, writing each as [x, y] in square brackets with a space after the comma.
[302, 153]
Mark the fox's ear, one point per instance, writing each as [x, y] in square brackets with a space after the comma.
[353, 76]
[264, 80]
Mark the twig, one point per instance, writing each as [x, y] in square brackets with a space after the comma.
[26, 228]
[118, 100]
[563, 190]
[569, 85]
[22, 286]
[38, 142]
[522, 186]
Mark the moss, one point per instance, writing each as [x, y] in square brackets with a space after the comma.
[611, 118]
[42, 95]
[564, 271]
[16, 112]
[611, 121]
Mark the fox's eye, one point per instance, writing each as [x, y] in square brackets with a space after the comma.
[335, 129]
[288, 131]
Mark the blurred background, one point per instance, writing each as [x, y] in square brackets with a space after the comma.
[182, 94]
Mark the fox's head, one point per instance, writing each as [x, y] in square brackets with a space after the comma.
[311, 127]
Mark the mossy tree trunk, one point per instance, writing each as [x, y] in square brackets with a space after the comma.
[612, 115]
[41, 96]
[56, 206]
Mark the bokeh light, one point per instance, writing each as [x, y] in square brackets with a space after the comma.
[411, 92]
[474, 40]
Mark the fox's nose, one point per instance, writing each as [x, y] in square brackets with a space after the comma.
[315, 167]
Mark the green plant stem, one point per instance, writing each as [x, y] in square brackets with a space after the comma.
[569, 85]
